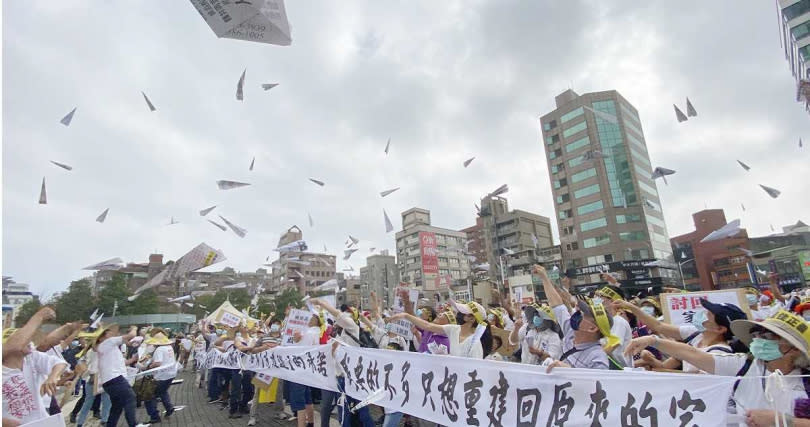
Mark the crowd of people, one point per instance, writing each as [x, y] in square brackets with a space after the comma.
[608, 330]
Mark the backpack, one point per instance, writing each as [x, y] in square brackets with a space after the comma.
[365, 340]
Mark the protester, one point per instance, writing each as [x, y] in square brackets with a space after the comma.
[185, 350]
[497, 343]
[163, 357]
[92, 387]
[300, 394]
[28, 374]
[112, 374]
[538, 335]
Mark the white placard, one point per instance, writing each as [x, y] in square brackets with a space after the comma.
[403, 328]
[678, 308]
[230, 319]
[55, 420]
[399, 305]
[296, 321]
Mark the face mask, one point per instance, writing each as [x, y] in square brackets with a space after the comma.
[752, 299]
[275, 327]
[537, 321]
[219, 331]
[490, 317]
[74, 343]
[419, 312]
[389, 327]
[576, 320]
[597, 300]
[806, 315]
[649, 311]
[698, 318]
[766, 350]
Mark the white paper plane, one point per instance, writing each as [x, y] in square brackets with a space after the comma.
[133, 297]
[387, 146]
[679, 114]
[240, 96]
[199, 257]
[103, 216]
[370, 399]
[327, 285]
[240, 285]
[742, 206]
[62, 165]
[228, 185]
[660, 172]
[387, 192]
[148, 102]
[388, 226]
[729, 230]
[254, 21]
[354, 239]
[220, 226]
[180, 299]
[771, 191]
[241, 232]
[744, 166]
[311, 223]
[484, 266]
[298, 273]
[317, 182]
[501, 190]
[252, 162]
[110, 264]
[94, 316]
[43, 198]
[268, 86]
[96, 323]
[206, 211]
[349, 269]
[690, 110]
[800, 143]
[296, 246]
[348, 253]
[68, 118]
[508, 251]
[747, 252]
[468, 161]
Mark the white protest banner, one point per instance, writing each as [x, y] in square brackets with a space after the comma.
[678, 308]
[403, 328]
[308, 365]
[453, 391]
[399, 305]
[296, 321]
[55, 420]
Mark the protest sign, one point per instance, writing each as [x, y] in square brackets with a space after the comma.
[55, 420]
[399, 305]
[403, 328]
[230, 319]
[678, 308]
[453, 391]
[296, 321]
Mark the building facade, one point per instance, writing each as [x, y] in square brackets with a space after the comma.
[710, 265]
[788, 253]
[794, 19]
[607, 206]
[301, 269]
[430, 258]
[15, 295]
[381, 276]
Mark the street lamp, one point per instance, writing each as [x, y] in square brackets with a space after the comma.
[680, 270]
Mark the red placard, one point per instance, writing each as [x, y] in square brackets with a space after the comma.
[430, 253]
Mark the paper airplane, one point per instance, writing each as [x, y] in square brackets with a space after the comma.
[148, 102]
[744, 166]
[43, 198]
[468, 161]
[268, 86]
[311, 223]
[327, 285]
[388, 226]
[67, 119]
[96, 323]
[110, 264]
[354, 239]
[262, 22]
[240, 285]
[317, 182]
[252, 162]
[690, 110]
[747, 252]
[199, 257]
[501, 190]
[349, 269]
[772, 229]
[729, 230]
[679, 114]
[484, 266]
[387, 192]
[94, 316]
[387, 145]
[650, 204]
[371, 249]
[173, 221]
[206, 211]
[227, 185]
[800, 143]
[660, 172]
[593, 155]
[62, 165]
[133, 297]
[370, 399]
[603, 115]
[348, 253]
[220, 226]
[180, 299]
[296, 246]
[771, 191]
[240, 96]
[743, 207]
[477, 208]
[298, 273]
[103, 215]
[508, 251]
[236, 229]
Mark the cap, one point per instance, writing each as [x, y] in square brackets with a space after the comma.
[787, 325]
[471, 307]
[613, 293]
[723, 313]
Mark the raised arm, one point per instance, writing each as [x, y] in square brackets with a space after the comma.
[326, 306]
[657, 326]
[21, 337]
[678, 350]
[375, 305]
[64, 333]
[420, 323]
[773, 281]
[554, 298]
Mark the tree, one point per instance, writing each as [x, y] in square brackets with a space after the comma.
[289, 298]
[115, 290]
[26, 311]
[146, 303]
[75, 304]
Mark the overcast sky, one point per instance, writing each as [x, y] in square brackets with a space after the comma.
[444, 80]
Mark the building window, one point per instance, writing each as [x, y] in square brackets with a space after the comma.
[554, 154]
[628, 218]
[566, 214]
[553, 139]
[648, 189]
[550, 125]
[586, 191]
[653, 220]
[576, 145]
[573, 246]
[633, 235]
[576, 161]
[574, 129]
[593, 224]
[563, 198]
[568, 230]
[590, 207]
[796, 9]
[562, 182]
[596, 241]
[559, 167]
[608, 257]
[572, 115]
[580, 176]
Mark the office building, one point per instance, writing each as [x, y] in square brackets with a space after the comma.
[300, 269]
[794, 20]
[381, 276]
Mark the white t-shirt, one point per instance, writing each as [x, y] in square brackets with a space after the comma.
[453, 334]
[311, 336]
[751, 391]
[688, 330]
[624, 332]
[186, 343]
[346, 322]
[165, 355]
[21, 399]
[110, 360]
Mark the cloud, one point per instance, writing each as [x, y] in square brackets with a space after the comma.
[445, 81]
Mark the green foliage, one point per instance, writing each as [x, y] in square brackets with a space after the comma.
[289, 298]
[115, 290]
[75, 304]
[26, 311]
[146, 303]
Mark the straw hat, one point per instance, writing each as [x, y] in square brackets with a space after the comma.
[472, 307]
[158, 338]
[787, 325]
[92, 336]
